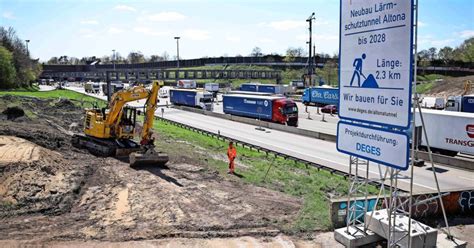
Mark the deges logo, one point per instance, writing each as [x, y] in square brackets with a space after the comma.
[470, 131]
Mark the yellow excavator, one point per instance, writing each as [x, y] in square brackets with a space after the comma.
[110, 131]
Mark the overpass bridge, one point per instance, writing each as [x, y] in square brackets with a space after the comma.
[151, 74]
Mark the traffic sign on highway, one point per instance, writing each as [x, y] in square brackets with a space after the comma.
[379, 145]
[375, 61]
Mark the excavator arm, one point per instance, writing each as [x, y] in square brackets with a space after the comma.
[150, 108]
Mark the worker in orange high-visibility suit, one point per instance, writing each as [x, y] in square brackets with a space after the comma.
[231, 154]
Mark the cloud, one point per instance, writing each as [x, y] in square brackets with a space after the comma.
[86, 32]
[8, 15]
[166, 17]
[466, 34]
[285, 25]
[317, 37]
[266, 40]
[232, 38]
[196, 34]
[114, 30]
[430, 41]
[150, 32]
[125, 8]
[89, 22]
[422, 24]
[442, 43]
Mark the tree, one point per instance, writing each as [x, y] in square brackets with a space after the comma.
[432, 53]
[106, 59]
[465, 52]
[256, 52]
[7, 69]
[424, 58]
[292, 53]
[135, 57]
[446, 54]
[165, 56]
[155, 58]
[27, 70]
[53, 61]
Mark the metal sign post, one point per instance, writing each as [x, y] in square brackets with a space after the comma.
[376, 77]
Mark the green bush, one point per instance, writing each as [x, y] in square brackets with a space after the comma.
[7, 69]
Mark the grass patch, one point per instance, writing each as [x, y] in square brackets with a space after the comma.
[424, 87]
[313, 186]
[77, 98]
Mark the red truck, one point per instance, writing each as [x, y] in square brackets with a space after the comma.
[277, 109]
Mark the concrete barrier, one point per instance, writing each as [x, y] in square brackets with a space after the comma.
[446, 160]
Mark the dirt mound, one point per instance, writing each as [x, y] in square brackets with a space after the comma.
[452, 86]
[13, 113]
[65, 104]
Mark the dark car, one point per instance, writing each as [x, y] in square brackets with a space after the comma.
[330, 109]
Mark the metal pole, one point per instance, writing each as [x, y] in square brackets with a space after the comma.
[413, 134]
[310, 62]
[113, 58]
[177, 51]
[27, 50]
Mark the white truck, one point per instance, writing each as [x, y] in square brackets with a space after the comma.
[192, 98]
[449, 132]
[211, 87]
[92, 87]
[461, 103]
[186, 84]
[433, 102]
[164, 92]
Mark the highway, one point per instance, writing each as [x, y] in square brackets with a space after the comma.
[314, 150]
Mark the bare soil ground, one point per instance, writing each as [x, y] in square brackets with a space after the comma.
[451, 86]
[51, 191]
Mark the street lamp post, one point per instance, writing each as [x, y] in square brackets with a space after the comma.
[27, 50]
[177, 50]
[113, 58]
[310, 61]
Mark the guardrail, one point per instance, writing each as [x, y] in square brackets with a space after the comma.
[262, 149]
[437, 158]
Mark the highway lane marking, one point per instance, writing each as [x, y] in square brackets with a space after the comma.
[471, 179]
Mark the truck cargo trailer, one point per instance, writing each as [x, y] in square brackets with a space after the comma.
[186, 84]
[320, 96]
[191, 98]
[276, 109]
[449, 132]
[276, 89]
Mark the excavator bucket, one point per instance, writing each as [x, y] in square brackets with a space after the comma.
[148, 158]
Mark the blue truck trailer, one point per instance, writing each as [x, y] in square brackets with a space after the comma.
[276, 109]
[252, 87]
[265, 88]
[191, 98]
[320, 96]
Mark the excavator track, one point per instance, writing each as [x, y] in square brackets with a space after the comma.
[104, 147]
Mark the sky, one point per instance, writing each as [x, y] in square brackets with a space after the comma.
[81, 28]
